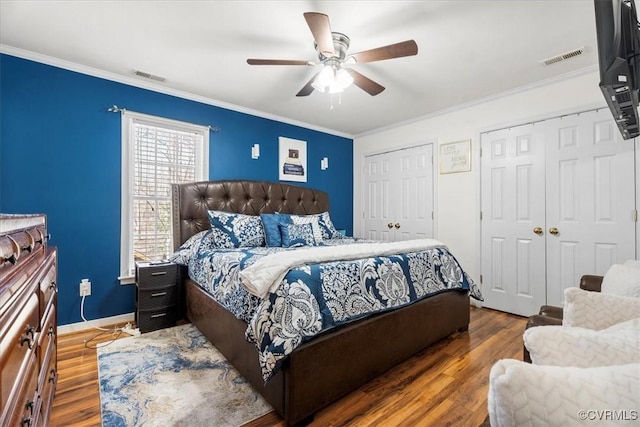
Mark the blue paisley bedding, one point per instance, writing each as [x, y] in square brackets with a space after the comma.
[317, 297]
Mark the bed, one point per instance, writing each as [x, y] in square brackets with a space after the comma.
[333, 363]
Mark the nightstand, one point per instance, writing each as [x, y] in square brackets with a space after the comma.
[157, 295]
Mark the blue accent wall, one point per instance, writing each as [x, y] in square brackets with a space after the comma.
[60, 154]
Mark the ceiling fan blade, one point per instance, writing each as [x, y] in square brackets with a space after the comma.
[321, 29]
[307, 89]
[365, 83]
[397, 50]
[276, 62]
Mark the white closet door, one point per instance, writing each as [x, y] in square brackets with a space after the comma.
[414, 209]
[513, 214]
[378, 208]
[590, 199]
[398, 197]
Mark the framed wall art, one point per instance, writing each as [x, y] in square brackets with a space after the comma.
[292, 159]
[455, 157]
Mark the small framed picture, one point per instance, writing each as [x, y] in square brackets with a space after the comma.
[292, 162]
[455, 157]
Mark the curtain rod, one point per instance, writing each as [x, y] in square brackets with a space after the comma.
[115, 109]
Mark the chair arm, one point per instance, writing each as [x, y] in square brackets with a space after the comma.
[591, 283]
[538, 320]
[551, 311]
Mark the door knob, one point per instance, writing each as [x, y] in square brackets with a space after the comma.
[538, 231]
[397, 225]
[390, 225]
[554, 231]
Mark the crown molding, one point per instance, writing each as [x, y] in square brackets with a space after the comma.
[492, 97]
[155, 87]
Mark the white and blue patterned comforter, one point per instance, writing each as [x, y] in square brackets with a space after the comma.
[314, 298]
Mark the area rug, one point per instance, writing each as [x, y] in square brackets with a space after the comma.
[173, 377]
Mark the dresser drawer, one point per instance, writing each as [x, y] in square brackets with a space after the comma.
[24, 407]
[151, 320]
[47, 286]
[48, 388]
[152, 299]
[47, 338]
[150, 276]
[18, 346]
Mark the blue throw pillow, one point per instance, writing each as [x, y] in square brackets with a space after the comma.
[232, 230]
[294, 235]
[271, 225]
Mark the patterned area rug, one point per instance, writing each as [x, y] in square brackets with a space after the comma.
[173, 377]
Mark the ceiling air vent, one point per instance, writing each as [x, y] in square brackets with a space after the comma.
[149, 76]
[563, 56]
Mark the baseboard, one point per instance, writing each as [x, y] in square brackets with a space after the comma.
[121, 319]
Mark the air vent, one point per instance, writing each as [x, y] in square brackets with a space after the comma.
[564, 56]
[149, 76]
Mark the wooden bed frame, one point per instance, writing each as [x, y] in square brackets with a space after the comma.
[336, 362]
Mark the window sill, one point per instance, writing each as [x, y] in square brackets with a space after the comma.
[127, 280]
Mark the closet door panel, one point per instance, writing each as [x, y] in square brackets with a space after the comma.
[512, 199]
[590, 199]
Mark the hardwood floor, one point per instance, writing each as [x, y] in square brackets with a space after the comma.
[446, 384]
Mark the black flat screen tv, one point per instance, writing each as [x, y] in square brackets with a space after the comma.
[618, 40]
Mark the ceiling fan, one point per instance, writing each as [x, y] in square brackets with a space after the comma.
[332, 54]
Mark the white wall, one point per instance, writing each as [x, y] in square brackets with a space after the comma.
[457, 205]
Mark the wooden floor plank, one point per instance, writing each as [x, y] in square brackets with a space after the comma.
[446, 384]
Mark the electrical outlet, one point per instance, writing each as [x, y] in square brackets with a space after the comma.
[85, 288]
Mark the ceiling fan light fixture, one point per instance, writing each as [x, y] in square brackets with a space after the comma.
[343, 78]
[332, 79]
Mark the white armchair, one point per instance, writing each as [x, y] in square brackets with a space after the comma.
[586, 372]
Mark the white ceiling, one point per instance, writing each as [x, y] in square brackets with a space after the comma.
[467, 50]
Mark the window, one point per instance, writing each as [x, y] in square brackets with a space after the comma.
[156, 152]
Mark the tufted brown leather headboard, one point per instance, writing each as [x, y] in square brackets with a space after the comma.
[190, 202]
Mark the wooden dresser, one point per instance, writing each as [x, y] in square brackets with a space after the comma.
[28, 321]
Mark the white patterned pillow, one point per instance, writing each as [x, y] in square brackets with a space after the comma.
[232, 230]
[622, 280]
[584, 348]
[522, 394]
[323, 228]
[188, 249]
[296, 235]
[595, 310]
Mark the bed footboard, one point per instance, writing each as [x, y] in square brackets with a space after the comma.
[337, 362]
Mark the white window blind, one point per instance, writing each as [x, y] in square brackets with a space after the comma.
[158, 152]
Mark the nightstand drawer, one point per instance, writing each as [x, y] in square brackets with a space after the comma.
[150, 276]
[151, 299]
[151, 320]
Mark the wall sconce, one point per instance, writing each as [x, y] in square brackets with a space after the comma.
[324, 163]
[255, 151]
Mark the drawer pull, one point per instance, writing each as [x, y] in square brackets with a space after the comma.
[153, 316]
[27, 422]
[25, 339]
[52, 376]
[52, 285]
[29, 406]
[159, 294]
[30, 330]
[51, 331]
[159, 273]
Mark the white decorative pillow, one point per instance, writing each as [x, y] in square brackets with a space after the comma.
[522, 394]
[584, 348]
[622, 280]
[595, 310]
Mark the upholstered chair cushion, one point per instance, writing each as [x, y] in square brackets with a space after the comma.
[584, 348]
[522, 394]
[622, 280]
[595, 310]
